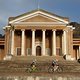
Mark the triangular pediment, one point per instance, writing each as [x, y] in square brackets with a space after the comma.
[39, 16]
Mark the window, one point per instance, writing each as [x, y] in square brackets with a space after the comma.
[29, 51]
[48, 51]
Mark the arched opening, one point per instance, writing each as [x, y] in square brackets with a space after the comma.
[38, 51]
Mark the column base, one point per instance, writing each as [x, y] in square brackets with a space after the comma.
[33, 55]
[54, 55]
[73, 59]
[68, 57]
[23, 55]
[8, 57]
[44, 55]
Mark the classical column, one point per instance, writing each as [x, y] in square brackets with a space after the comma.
[54, 42]
[33, 43]
[79, 53]
[71, 44]
[43, 43]
[12, 42]
[23, 43]
[65, 42]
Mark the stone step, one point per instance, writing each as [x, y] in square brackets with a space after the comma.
[21, 65]
[38, 58]
[68, 66]
[43, 59]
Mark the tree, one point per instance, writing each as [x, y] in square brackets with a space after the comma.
[76, 31]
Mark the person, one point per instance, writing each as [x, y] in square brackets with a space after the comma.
[54, 63]
[33, 64]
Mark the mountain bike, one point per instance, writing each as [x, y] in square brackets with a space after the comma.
[32, 69]
[55, 68]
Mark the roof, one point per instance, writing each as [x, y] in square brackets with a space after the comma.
[13, 18]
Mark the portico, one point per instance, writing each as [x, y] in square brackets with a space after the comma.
[46, 40]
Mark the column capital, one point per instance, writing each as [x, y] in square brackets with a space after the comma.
[53, 29]
[13, 30]
[71, 29]
[43, 29]
[33, 29]
[65, 30]
[22, 29]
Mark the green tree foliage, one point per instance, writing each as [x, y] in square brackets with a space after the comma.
[76, 31]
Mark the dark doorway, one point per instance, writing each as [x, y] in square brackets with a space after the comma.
[38, 51]
[18, 51]
[75, 53]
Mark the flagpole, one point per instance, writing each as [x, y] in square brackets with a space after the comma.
[38, 6]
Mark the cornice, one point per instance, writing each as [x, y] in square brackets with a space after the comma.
[39, 24]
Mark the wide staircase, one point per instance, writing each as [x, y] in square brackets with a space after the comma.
[38, 58]
[19, 64]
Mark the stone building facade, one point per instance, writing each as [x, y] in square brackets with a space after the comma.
[40, 33]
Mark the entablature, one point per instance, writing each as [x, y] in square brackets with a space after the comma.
[39, 27]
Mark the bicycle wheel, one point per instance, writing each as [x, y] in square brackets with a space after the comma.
[51, 69]
[28, 70]
[59, 69]
[36, 70]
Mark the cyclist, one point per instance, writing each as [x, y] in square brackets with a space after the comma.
[54, 63]
[55, 67]
[33, 64]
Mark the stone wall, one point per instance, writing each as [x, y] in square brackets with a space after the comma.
[39, 78]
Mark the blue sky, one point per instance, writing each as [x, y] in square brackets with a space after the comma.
[66, 8]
